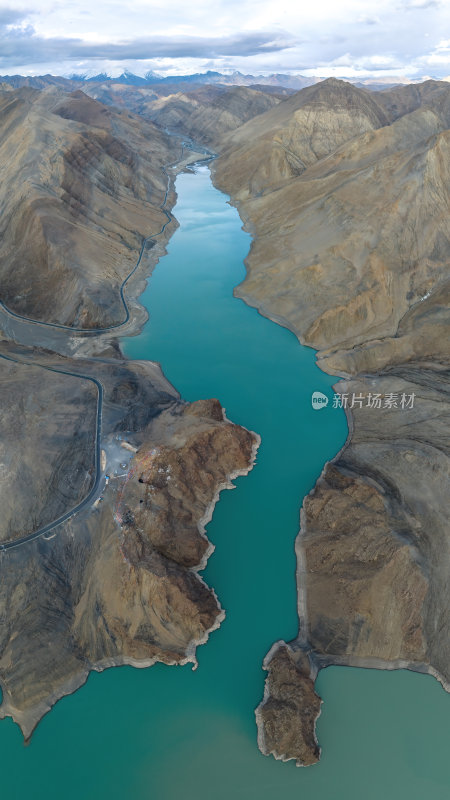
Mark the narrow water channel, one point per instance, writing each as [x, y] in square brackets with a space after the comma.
[171, 732]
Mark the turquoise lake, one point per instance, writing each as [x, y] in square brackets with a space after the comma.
[170, 732]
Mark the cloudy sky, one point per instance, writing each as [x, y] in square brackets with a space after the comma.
[321, 37]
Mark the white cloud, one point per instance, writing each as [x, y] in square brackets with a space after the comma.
[410, 5]
[250, 35]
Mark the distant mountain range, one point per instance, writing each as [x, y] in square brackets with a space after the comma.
[210, 77]
[151, 79]
[294, 82]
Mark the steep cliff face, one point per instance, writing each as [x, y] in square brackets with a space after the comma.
[351, 251]
[88, 182]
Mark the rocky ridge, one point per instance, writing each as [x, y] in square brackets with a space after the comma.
[209, 113]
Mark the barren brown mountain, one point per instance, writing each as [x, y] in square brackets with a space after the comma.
[108, 477]
[206, 112]
[347, 196]
[88, 184]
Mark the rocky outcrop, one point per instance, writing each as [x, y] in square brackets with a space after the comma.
[351, 249]
[287, 716]
[155, 506]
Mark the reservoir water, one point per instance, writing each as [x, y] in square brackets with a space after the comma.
[170, 732]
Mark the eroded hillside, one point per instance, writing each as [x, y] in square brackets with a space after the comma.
[82, 187]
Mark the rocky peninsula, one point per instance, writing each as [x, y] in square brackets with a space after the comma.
[118, 582]
[108, 476]
[346, 195]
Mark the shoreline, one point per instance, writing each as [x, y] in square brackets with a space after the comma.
[91, 342]
[87, 344]
[301, 642]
